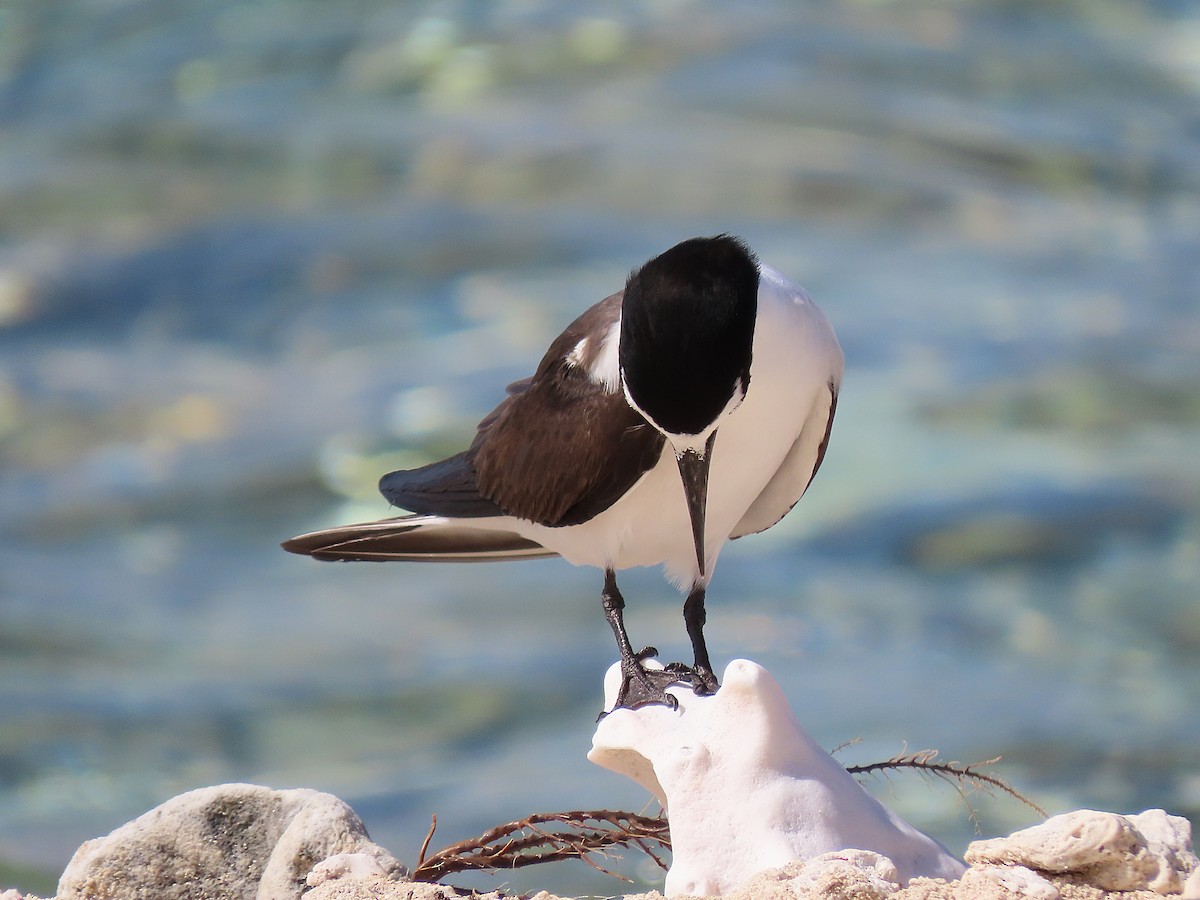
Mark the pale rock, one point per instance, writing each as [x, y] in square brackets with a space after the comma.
[1191, 889]
[1003, 882]
[849, 874]
[229, 841]
[1168, 841]
[10, 894]
[1150, 851]
[345, 865]
[746, 789]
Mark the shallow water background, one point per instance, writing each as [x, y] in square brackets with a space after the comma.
[254, 254]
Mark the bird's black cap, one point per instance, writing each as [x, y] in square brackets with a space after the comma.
[687, 331]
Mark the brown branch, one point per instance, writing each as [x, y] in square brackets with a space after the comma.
[428, 838]
[549, 837]
[953, 772]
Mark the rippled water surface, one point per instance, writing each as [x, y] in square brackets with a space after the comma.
[254, 254]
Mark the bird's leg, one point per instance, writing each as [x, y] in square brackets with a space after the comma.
[702, 678]
[639, 686]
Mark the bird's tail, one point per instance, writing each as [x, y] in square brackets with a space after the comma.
[417, 539]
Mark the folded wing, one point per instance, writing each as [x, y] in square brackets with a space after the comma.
[561, 448]
[416, 539]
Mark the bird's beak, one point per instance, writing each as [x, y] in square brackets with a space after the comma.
[693, 469]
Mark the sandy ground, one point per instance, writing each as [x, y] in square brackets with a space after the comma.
[919, 889]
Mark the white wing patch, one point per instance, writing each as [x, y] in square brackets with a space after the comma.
[576, 357]
[599, 357]
[606, 364]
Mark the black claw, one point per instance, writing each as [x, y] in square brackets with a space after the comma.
[646, 653]
[703, 682]
[644, 687]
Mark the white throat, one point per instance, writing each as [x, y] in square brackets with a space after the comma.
[690, 443]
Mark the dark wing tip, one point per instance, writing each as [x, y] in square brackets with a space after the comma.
[307, 544]
[318, 543]
[415, 539]
[444, 488]
[296, 545]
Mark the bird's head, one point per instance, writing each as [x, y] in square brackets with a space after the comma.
[687, 334]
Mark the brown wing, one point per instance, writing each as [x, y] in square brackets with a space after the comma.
[563, 448]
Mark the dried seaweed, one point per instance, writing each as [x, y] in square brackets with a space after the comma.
[547, 837]
[959, 775]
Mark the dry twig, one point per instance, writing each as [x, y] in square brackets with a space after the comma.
[956, 773]
[548, 837]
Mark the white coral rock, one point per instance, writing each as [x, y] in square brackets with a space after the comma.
[1002, 882]
[853, 874]
[1150, 851]
[746, 789]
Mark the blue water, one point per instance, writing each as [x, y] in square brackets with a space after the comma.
[254, 254]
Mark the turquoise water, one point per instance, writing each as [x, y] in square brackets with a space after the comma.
[252, 255]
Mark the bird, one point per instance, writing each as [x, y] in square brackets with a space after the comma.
[691, 407]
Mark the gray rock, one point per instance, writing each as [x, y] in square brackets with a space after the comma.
[229, 842]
